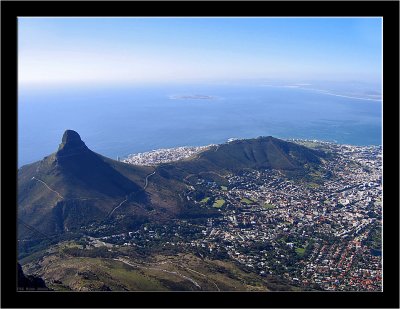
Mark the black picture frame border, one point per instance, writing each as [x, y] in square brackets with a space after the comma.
[11, 298]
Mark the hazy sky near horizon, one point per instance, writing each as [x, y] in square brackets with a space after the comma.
[147, 50]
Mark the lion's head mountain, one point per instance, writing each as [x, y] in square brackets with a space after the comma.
[75, 186]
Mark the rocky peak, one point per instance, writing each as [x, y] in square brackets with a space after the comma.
[71, 142]
[71, 136]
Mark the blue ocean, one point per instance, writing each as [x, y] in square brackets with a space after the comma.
[117, 121]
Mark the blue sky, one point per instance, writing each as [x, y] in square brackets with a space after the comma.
[149, 50]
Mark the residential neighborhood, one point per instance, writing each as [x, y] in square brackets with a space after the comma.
[323, 235]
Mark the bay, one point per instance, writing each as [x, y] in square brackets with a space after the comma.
[121, 120]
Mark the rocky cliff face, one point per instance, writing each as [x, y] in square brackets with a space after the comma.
[71, 140]
[29, 282]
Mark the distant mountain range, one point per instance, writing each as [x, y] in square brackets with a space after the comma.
[76, 187]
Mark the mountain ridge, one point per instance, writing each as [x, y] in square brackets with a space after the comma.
[75, 186]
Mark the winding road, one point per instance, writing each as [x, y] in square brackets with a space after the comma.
[160, 269]
[144, 188]
[120, 204]
[59, 195]
[196, 272]
[147, 180]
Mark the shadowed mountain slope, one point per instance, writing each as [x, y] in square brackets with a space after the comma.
[263, 152]
[75, 186]
[259, 153]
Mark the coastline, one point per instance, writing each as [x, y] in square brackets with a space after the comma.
[173, 154]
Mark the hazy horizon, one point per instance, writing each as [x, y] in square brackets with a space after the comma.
[77, 72]
[139, 51]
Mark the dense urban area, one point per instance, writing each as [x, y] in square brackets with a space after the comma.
[322, 233]
[158, 156]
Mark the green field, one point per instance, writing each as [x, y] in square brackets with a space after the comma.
[247, 201]
[219, 203]
[224, 188]
[204, 200]
[268, 206]
[300, 251]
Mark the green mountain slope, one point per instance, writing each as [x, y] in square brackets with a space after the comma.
[75, 187]
[260, 153]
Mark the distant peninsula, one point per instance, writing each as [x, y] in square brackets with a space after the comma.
[192, 97]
